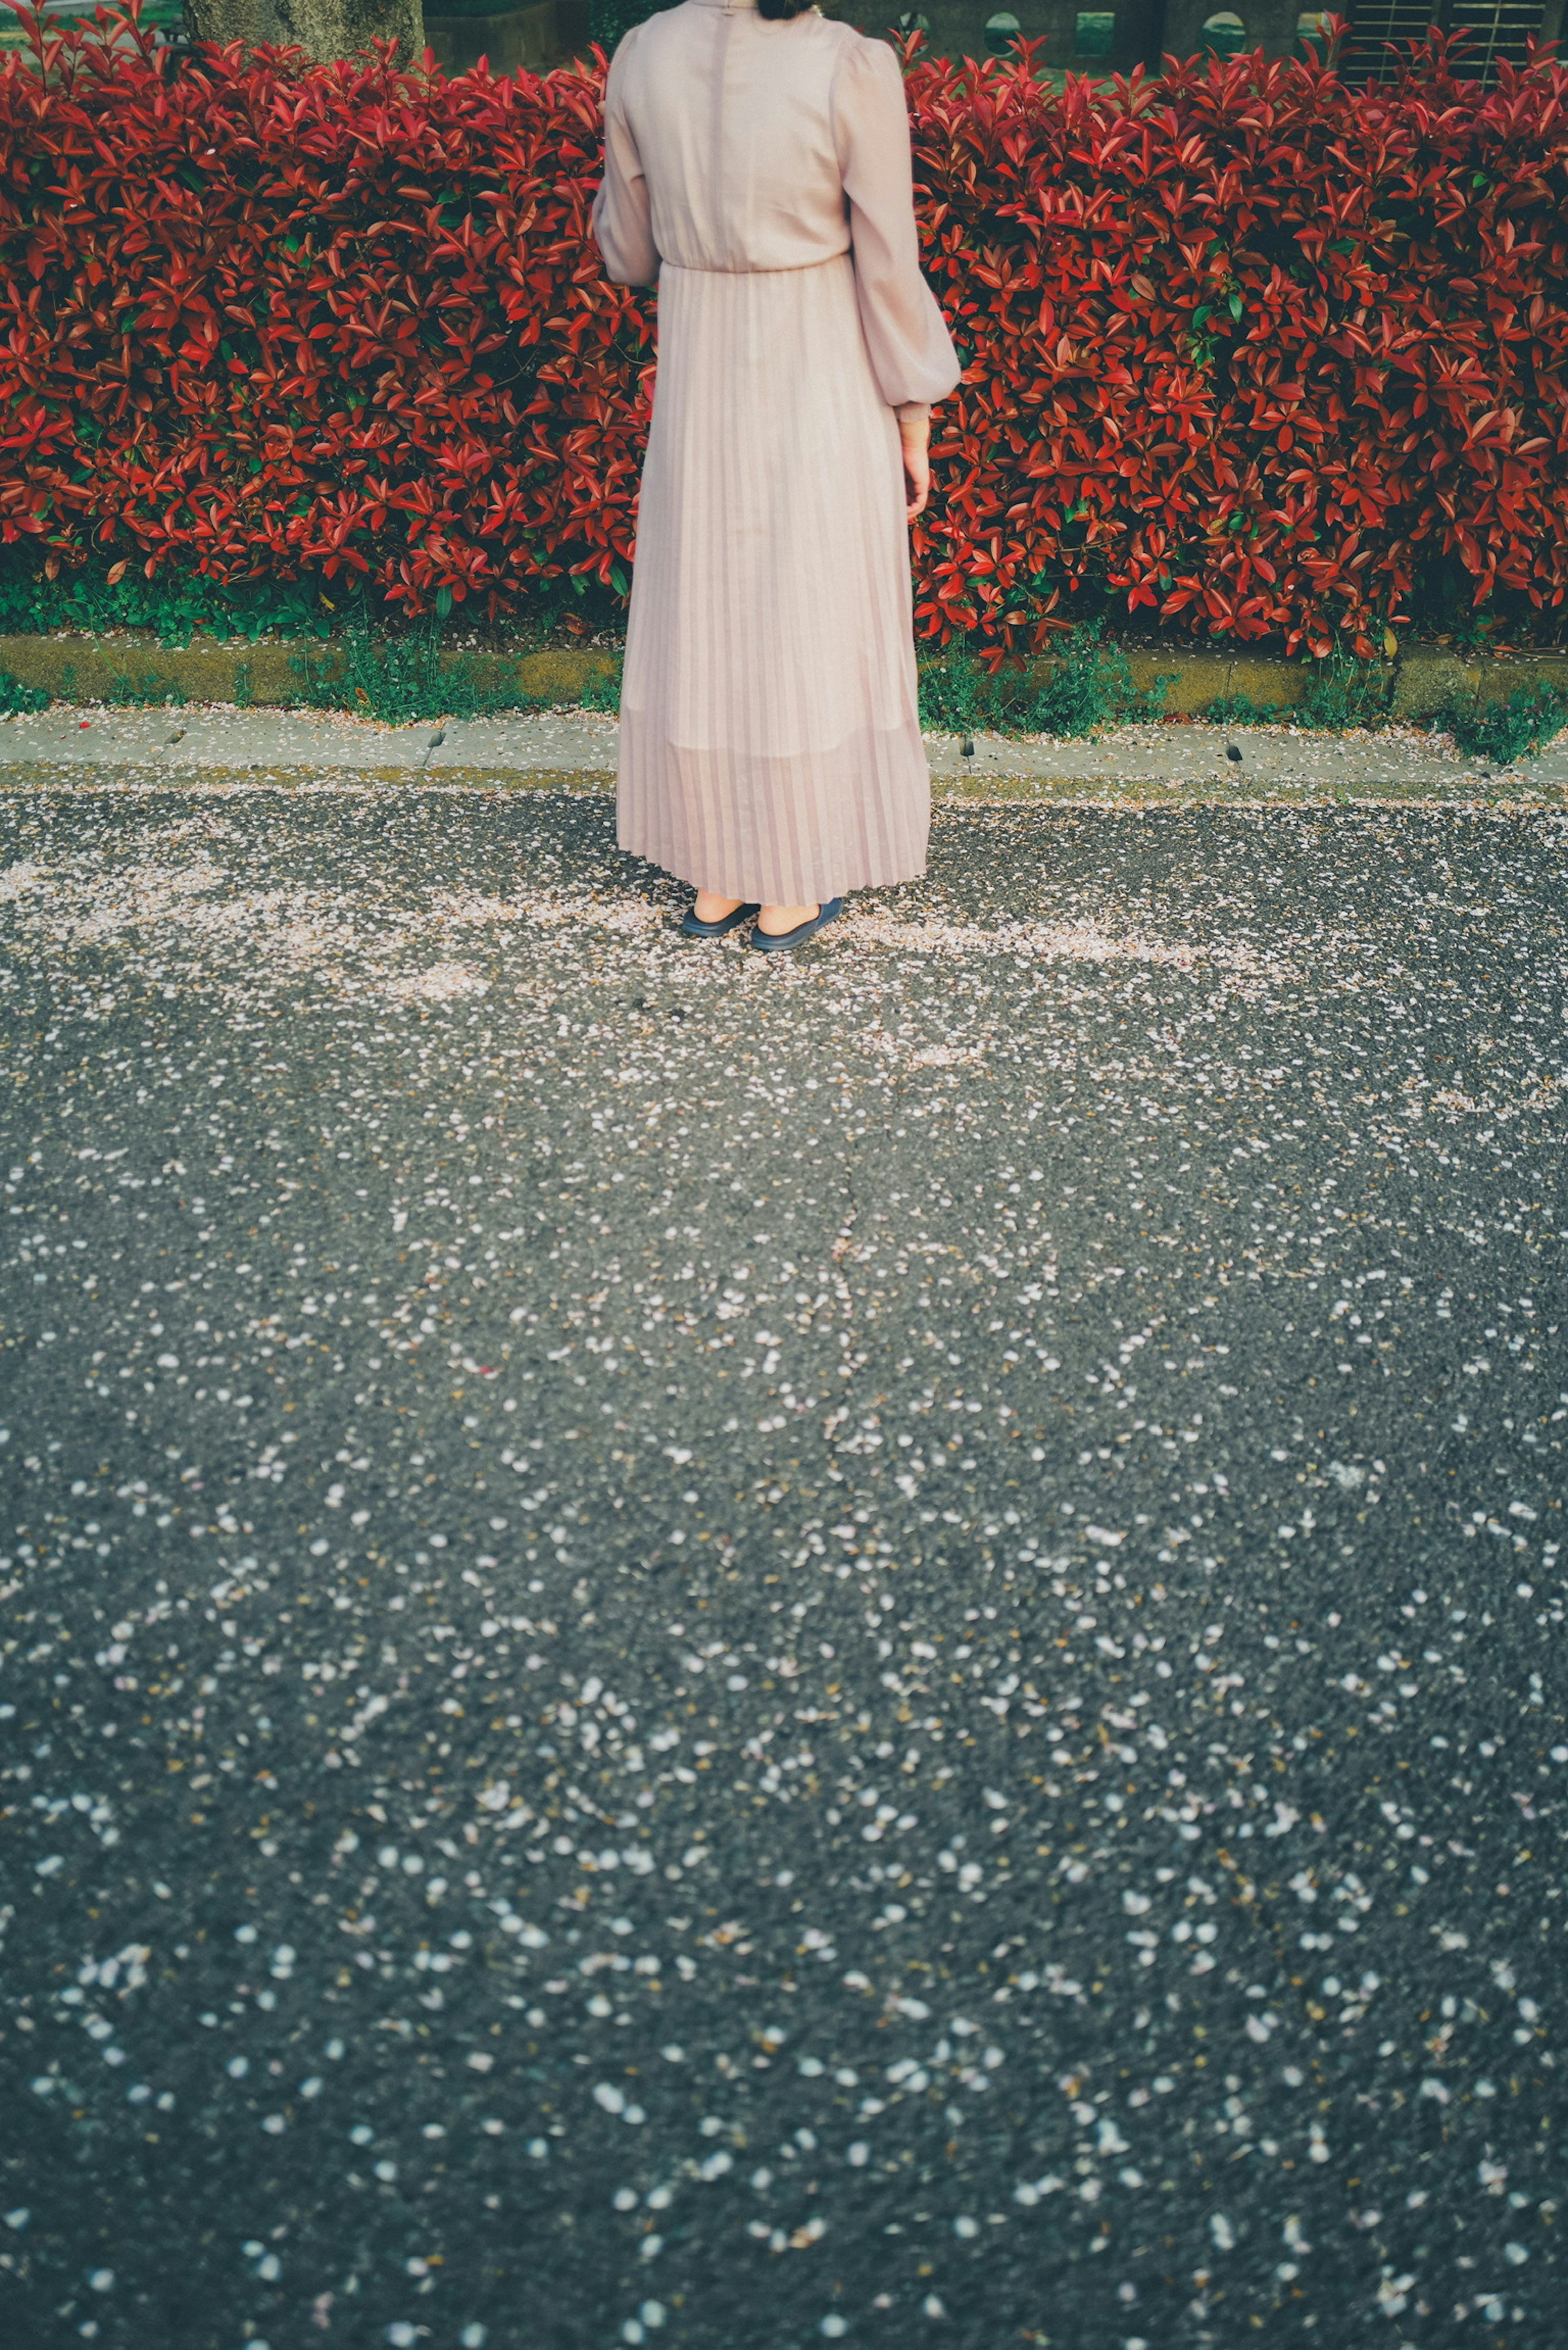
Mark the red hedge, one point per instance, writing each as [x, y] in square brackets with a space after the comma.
[1245, 348]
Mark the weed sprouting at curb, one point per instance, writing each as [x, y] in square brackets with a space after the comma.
[1518, 728]
[398, 678]
[147, 691]
[1088, 685]
[1240, 709]
[955, 696]
[16, 699]
[601, 690]
[1341, 692]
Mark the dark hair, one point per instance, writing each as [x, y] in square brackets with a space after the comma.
[775, 9]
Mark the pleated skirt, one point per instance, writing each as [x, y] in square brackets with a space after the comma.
[770, 747]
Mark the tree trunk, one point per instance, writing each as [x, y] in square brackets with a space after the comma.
[324, 29]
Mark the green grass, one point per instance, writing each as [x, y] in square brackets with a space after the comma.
[1240, 709]
[1088, 685]
[1503, 731]
[601, 692]
[397, 679]
[1340, 693]
[147, 691]
[172, 606]
[15, 697]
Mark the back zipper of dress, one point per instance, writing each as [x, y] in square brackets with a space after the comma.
[716, 163]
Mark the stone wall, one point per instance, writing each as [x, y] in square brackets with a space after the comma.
[323, 28]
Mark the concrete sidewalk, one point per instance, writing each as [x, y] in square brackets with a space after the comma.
[1416, 684]
[1168, 761]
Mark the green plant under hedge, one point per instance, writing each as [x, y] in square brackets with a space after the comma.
[406, 677]
[1518, 728]
[1240, 709]
[1088, 684]
[398, 679]
[601, 688]
[172, 605]
[15, 697]
[147, 691]
[1340, 693]
[1343, 693]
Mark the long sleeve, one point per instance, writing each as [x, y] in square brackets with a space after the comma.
[912, 355]
[622, 222]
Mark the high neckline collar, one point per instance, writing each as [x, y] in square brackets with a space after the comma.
[727, 6]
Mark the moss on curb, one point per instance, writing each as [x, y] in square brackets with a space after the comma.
[1419, 685]
[262, 677]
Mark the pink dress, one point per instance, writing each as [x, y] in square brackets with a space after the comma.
[759, 171]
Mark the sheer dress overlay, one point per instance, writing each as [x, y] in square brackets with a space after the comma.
[758, 171]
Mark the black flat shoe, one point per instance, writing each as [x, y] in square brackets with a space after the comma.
[692, 929]
[781, 942]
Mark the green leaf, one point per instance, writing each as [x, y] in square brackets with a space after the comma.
[1235, 306]
[443, 602]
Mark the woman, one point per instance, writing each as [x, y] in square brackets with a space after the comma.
[757, 166]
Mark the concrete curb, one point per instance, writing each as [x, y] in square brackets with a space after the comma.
[1416, 684]
[1426, 680]
[95, 669]
[87, 669]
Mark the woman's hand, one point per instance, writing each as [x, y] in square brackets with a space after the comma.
[914, 435]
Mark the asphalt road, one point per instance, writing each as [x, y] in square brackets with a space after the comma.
[721, 1651]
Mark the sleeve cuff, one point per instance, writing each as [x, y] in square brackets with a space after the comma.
[913, 411]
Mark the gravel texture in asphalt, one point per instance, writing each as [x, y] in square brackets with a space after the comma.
[722, 1650]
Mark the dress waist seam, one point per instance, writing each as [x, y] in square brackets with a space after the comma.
[704, 269]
